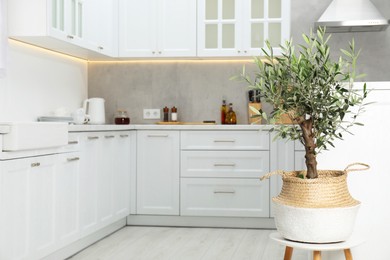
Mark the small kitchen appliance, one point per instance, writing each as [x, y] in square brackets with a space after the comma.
[94, 110]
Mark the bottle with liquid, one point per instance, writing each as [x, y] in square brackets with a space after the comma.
[174, 114]
[223, 112]
[231, 118]
[165, 114]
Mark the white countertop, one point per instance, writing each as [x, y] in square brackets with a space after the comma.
[88, 128]
[4, 129]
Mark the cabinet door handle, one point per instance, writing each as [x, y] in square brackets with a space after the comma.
[124, 136]
[70, 37]
[72, 159]
[159, 52]
[100, 48]
[37, 164]
[224, 191]
[109, 136]
[93, 137]
[224, 164]
[158, 135]
[153, 52]
[73, 142]
[225, 141]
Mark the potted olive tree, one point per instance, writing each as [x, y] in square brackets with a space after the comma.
[318, 96]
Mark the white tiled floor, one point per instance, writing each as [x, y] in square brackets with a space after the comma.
[141, 243]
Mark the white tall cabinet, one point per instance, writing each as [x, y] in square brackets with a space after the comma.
[157, 28]
[158, 172]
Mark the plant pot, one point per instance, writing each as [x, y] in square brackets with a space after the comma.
[315, 225]
[317, 210]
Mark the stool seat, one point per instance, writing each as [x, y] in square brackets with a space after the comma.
[353, 241]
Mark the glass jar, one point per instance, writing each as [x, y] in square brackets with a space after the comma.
[121, 117]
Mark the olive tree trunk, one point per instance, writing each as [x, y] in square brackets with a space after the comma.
[310, 156]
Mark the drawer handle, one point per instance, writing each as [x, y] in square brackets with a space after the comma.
[109, 136]
[72, 159]
[224, 191]
[93, 137]
[73, 142]
[224, 164]
[124, 136]
[158, 135]
[225, 141]
[37, 164]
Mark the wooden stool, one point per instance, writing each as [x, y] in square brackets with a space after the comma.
[317, 248]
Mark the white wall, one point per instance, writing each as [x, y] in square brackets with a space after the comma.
[38, 82]
[369, 144]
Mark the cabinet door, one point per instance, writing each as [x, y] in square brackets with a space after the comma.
[14, 208]
[176, 28]
[137, 28]
[219, 27]
[158, 172]
[67, 198]
[265, 20]
[67, 21]
[105, 177]
[121, 175]
[42, 207]
[89, 144]
[101, 26]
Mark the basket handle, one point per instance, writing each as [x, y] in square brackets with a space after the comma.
[271, 174]
[362, 168]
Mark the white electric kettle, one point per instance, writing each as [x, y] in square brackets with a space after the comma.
[94, 110]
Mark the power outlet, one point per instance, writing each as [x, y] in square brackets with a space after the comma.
[152, 114]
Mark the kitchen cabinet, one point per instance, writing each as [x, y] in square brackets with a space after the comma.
[27, 188]
[82, 28]
[219, 173]
[101, 26]
[240, 28]
[67, 194]
[158, 167]
[104, 179]
[157, 28]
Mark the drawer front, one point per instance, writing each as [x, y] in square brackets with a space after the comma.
[241, 164]
[224, 197]
[225, 140]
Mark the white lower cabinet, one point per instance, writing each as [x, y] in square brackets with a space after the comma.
[224, 197]
[158, 154]
[104, 179]
[67, 198]
[27, 208]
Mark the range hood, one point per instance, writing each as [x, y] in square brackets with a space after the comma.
[352, 16]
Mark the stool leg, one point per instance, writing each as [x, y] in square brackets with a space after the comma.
[288, 253]
[316, 255]
[348, 254]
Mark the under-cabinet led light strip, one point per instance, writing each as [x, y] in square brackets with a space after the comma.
[189, 60]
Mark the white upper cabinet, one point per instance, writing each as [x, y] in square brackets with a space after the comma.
[240, 27]
[157, 28]
[101, 26]
[81, 28]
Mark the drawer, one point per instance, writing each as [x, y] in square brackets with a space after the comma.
[241, 164]
[73, 143]
[225, 140]
[224, 197]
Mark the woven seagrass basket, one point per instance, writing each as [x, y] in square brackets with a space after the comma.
[329, 190]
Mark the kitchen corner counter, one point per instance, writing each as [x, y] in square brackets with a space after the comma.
[93, 128]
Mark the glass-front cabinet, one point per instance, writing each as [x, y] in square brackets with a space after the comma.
[241, 27]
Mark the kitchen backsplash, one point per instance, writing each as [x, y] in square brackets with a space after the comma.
[196, 88]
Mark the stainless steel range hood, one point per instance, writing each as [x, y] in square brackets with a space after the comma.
[352, 16]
